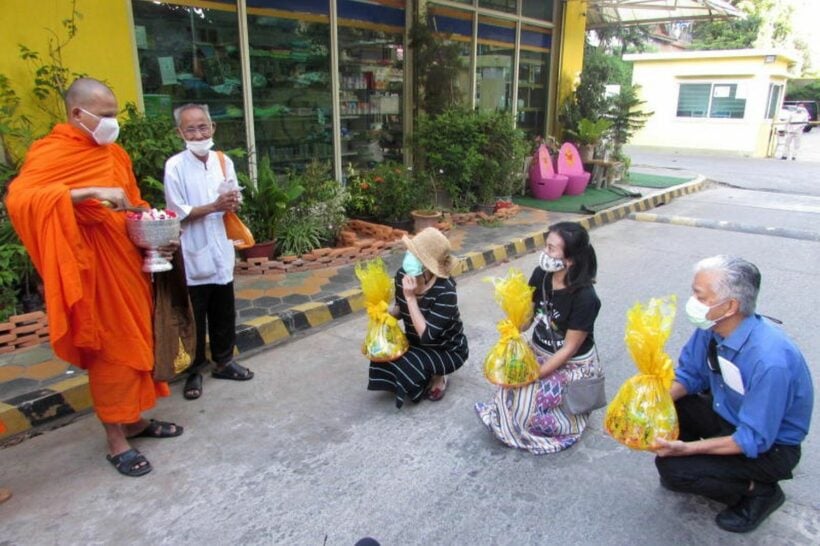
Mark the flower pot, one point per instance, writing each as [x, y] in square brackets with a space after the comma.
[425, 218]
[486, 208]
[259, 250]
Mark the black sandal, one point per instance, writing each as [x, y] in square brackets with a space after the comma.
[159, 429]
[130, 463]
[193, 386]
[232, 371]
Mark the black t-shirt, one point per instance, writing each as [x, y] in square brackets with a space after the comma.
[567, 310]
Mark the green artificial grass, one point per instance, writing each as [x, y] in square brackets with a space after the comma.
[652, 180]
[592, 200]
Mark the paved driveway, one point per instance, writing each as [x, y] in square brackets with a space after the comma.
[801, 176]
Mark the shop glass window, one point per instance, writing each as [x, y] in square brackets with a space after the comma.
[774, 100]
[371, 80]
[291, 84]
[494, 64]
[533, 77]
[537, 9]
[714, 100]
[190, 54]
[455, 28]
[508, 6]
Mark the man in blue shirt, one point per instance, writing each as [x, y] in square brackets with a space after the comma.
[744, 399]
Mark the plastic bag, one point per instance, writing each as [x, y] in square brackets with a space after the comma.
[237, 231]
[384, 340]
[643, 409]
[183, 359]
[511, 362]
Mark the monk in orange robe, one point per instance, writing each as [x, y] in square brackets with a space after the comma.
[67, 207]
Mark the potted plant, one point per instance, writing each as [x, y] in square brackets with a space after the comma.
[264, 204]
[448, 147]
[588, 134]
[428, 214]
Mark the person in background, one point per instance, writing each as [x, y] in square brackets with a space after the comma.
[200, 186]
[744, 398]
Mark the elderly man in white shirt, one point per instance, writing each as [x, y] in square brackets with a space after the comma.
[200, 186]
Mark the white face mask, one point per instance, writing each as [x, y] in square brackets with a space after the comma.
[697, 311]
[199, 147]
[550, 264]
[107, 131]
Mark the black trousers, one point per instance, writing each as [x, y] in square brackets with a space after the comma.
[213, 305]
[724, 478]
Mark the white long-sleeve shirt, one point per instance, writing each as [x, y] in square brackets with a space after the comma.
[209, 254]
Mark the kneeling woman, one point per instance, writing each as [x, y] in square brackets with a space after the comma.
[427, 303]
[566, 306]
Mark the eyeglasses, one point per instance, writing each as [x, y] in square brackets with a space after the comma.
[203, 130]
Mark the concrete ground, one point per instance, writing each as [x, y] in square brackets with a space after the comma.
[303, 454]
[801, 176]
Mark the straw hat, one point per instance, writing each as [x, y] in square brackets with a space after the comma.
[432, 248]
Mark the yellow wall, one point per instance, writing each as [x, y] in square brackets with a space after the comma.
[660, 78]
[572, 48]
[102, 48]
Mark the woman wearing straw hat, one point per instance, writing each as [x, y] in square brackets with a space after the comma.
[427, 303]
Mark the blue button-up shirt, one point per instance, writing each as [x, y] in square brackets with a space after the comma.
[778, 396]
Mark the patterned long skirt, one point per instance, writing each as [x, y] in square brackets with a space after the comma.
[532, 417]
[408, 375]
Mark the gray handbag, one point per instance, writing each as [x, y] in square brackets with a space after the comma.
[585, 395]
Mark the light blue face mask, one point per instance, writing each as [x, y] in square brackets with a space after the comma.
[412, 265]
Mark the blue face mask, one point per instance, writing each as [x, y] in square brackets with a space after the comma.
[412, 265]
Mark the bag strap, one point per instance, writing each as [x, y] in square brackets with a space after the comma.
[221, 156]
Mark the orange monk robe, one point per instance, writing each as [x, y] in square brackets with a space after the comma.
[98, 299]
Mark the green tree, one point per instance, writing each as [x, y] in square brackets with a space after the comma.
[626, 116]
[767, 24]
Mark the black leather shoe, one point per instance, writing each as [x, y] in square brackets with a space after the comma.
[750, 512]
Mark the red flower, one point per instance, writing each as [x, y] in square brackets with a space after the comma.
[378, 180]
[364, 186]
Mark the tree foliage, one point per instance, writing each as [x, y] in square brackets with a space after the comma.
[767, 24]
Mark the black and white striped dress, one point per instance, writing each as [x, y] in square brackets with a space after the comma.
[440, 351]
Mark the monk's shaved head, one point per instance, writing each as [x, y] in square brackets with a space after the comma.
[87, 100]
[84, 92]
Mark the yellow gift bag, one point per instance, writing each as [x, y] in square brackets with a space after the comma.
[643, 409]
[384, 340]
[511, 362]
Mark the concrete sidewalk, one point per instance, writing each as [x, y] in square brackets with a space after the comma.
[39, 392]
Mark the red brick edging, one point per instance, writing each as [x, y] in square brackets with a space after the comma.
[359, 240]
[23, 331]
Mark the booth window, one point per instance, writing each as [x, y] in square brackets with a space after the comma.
[713, 100]
[773, 103]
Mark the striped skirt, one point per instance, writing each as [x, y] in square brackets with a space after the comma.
[532, 417]
[408, 375]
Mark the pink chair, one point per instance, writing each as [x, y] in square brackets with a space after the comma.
[544, 183]
[569, 164]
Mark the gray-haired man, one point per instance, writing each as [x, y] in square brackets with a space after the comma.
[744, 399]
[200, 186]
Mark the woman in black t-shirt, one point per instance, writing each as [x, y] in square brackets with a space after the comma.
[533, 417]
